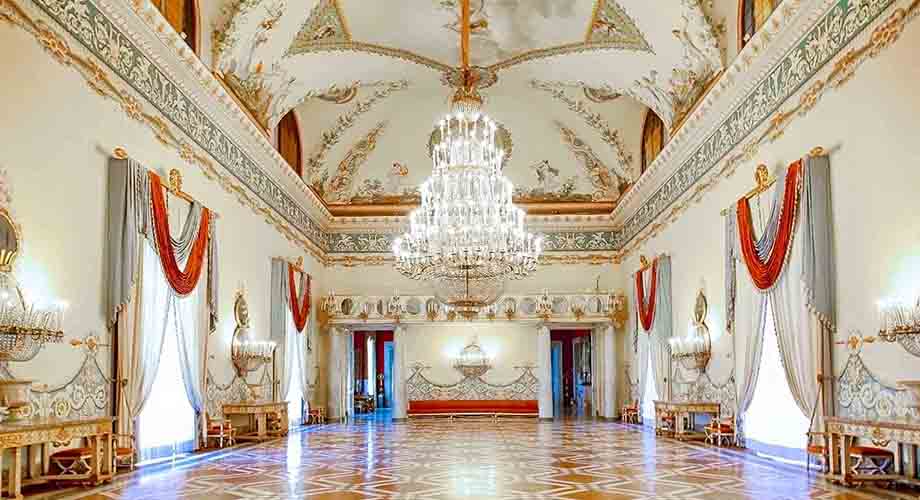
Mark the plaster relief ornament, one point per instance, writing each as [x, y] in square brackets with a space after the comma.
[500, 29]
[594, 120]
[550, 186]
[608, 185]
[394, 190]
[337, 187]
[324, 25]
[611, 24]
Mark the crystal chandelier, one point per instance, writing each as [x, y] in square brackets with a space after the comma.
[467, 237]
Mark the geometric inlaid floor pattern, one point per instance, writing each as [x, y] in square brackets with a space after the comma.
[473, 458]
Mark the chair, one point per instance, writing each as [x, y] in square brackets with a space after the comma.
[721, 430]
[124, 446]
[815, 450]
[666, 423]
[221, 429]
[630, 413]
[317, 415]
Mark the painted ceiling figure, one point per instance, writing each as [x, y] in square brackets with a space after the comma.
[547, 176]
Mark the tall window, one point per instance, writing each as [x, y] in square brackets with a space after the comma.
[752, 14]
[652, 138]
[774, 424]
[649, 394]
[295, 393]
[166, 425]
[289, 141]
[183, 16]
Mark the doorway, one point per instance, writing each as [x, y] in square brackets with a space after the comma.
[570, 358]
[556, 362]
[373, 374]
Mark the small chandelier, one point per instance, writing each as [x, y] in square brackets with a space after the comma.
[467, 237]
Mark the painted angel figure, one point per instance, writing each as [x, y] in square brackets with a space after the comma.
[547, 176]
[396, 178]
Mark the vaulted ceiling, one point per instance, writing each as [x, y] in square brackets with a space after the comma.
[569, 80]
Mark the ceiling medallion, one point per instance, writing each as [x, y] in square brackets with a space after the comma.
[466, 237]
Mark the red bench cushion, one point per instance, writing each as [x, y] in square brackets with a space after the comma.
[428, 407]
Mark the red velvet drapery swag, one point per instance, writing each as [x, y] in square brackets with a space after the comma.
[765, 274]
[647, 308]
[300, 309]
[182, 281]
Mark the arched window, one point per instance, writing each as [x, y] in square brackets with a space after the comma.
[289, 141]
[183, 16]
[652, 138]
[751, 16]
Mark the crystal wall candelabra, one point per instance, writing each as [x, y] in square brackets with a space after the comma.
[249, 355]
[26, 327]
[694, 350]
[898, 317]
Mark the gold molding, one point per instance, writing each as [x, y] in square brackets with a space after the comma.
[373, 48]
[99, 80]
[346, 209]
[843, 69]
[242, 105]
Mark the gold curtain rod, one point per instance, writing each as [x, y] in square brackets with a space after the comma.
[296, 264]
[645, 264]
[174, 185]
[764, 180]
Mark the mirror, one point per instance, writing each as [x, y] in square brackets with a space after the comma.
[414, 306]
[347, 306]
[9, 241]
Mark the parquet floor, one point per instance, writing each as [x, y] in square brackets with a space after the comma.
[478, 459]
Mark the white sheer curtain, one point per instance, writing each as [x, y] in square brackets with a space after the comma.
[166, 422]
[649, 394]
[774, 424]
[294, 391]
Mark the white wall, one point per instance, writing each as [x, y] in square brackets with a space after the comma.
[57, 136]
[870, 125]
[507, 345]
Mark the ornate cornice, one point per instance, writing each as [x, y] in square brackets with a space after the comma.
[183, 105]
[694, 176]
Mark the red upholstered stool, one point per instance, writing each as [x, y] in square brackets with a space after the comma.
[871, 460]
[73, 462]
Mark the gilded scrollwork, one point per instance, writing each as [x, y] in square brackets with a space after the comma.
[419, 387]
[861, 394]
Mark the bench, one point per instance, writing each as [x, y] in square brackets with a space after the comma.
[475, 407]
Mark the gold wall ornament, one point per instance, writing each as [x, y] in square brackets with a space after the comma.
[617, 309]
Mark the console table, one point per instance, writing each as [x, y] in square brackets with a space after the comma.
[684, 410]
[843, 433]
[58, 431]
[259, 412]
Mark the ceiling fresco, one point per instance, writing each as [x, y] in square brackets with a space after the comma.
[590, 67]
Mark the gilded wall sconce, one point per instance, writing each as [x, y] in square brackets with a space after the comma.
[246, 353]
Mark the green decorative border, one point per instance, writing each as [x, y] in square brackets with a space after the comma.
[836, 28]
[843, 21]
[89, 25]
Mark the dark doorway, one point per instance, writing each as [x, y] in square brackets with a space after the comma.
[571, 372]
[373, 372]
